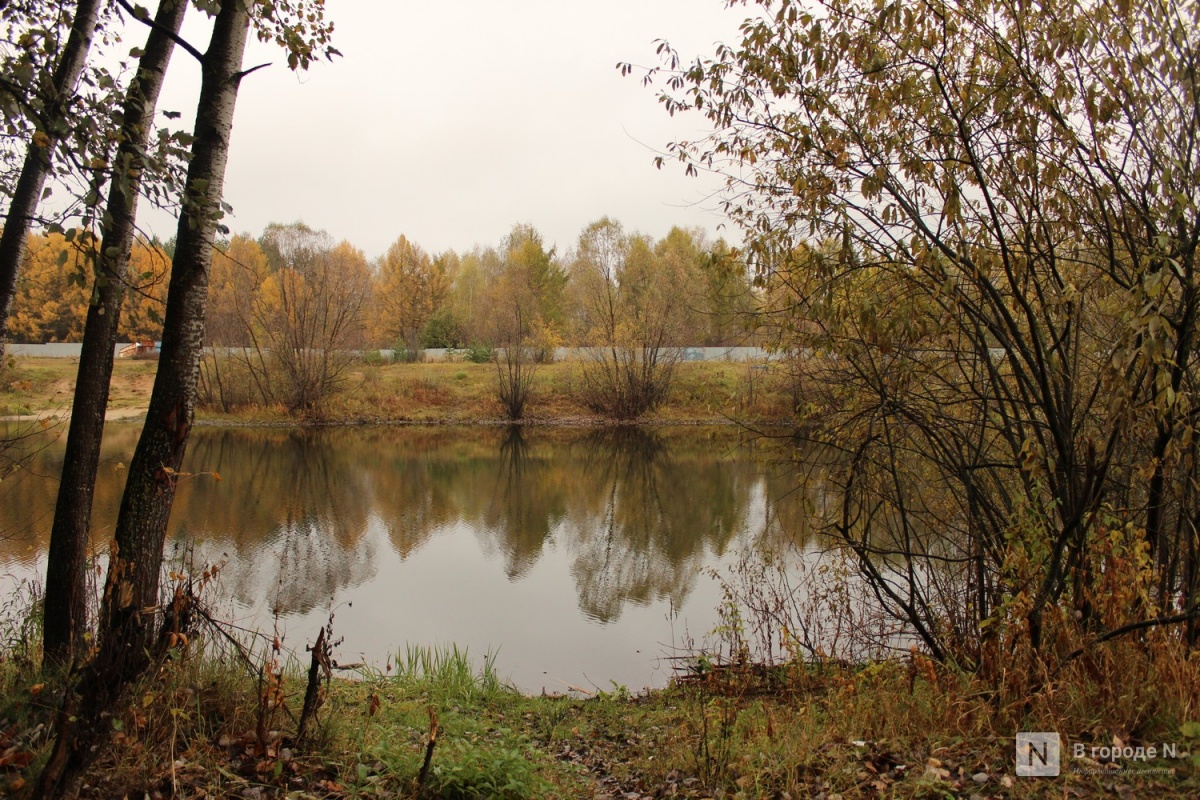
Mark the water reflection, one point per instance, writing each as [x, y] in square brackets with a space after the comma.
[305, 518]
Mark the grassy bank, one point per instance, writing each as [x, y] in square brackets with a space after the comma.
[434, 392]
[210, 725]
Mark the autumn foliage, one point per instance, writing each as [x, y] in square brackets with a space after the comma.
[976, 225]
[56, 284]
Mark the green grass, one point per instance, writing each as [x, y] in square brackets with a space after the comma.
[487, 744]
[449, 672]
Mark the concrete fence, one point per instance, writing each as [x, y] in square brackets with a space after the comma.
[580, 353]
[56, 350]
[68, 350]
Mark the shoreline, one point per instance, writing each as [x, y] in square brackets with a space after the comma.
[435, 394]
[203, 419]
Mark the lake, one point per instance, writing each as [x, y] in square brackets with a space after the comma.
[581, 555]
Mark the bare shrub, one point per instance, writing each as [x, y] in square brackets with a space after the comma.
[287, 316]
[634, 305]
[516, 365]
[627, 382]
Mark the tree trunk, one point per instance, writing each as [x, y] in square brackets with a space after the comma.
[130, 602]
[132, 585]
[28, 191]
[65, 609]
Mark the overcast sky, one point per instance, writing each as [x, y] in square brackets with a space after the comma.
[451, 121]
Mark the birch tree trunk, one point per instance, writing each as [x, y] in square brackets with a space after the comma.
[65, 609]
[132, 584]
[128, 608]
[28, 192]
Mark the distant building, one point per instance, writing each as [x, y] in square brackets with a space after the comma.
[144, 349]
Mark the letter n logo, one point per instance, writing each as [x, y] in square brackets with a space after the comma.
[1039, 755]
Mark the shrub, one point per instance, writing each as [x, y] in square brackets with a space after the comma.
[625, 383]
[515, 368]
[478, 353]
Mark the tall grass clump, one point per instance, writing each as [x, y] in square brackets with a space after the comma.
[447, 671]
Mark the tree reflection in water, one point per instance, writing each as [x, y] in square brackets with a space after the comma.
[647, 520]
[305, 515]
[525, 504]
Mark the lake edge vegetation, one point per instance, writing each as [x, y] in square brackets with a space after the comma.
[219, 715]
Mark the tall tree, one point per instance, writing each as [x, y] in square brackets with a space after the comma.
[145, 285]
[52, 299]
[531, 280]
[469, 293]
[126, 631]
[65, 607]
[409, 287]
[57, 284]
[53, 122]
[730, 303]
[233, 351]
[986, 214]
[132, 584]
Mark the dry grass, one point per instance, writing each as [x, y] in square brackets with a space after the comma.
[899, 729]
[870, 732]
[464, 392]
[45, 385]
[431, 392]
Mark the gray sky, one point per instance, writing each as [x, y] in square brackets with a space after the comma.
[451, 121]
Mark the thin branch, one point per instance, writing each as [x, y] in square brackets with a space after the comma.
[238, 76]
[145, 18]
[1191, 613]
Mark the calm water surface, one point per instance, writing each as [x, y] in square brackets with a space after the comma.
[582, 555]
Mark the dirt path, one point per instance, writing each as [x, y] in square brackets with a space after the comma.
[112, 415]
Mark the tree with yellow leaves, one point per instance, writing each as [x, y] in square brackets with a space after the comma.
[51, 295]
[407, 288]
[987, 216]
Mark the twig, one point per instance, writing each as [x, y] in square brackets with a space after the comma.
[312, 695]
[238, 76]
[145, 18]
[1192, 612]
[220, 628]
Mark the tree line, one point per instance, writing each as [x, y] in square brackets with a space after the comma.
[406, 299]
[55, 289]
